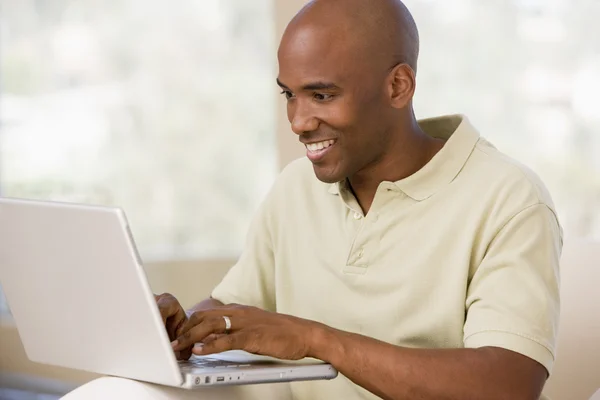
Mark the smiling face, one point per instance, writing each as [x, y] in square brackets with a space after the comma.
[336, 105]
[347, 71]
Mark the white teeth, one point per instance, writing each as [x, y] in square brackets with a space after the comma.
[320, 145]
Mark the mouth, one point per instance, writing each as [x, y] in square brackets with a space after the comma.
[316, 151]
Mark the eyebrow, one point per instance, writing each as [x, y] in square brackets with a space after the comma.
[312, 86]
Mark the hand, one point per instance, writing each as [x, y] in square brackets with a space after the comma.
[174, 319]
[253, 330]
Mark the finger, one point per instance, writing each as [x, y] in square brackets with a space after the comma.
[235, 341]
[234, 312]
[195, 319]
[171, 313]
[178, 331]
[210, 338]
[167, 305]
[175, 325]
[171, 325]
[185, 354]
[190, 323]
[198, 317]
[198, 333]
[228, 321]
[194, 335]
[161, 309]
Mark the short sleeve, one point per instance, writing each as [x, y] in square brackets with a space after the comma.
[513, 297]
[251, 281]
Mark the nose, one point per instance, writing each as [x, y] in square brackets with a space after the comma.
[302, 118]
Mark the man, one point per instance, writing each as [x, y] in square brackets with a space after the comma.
[412, 255]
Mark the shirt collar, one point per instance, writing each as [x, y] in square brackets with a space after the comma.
[461, 138]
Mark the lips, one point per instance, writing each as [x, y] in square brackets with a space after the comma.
[316, 151]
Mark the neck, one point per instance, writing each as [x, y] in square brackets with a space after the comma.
[402, 159]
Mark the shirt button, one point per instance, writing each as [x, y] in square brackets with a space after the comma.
[357, 215]
[361, 253]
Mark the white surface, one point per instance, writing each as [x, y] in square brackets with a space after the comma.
[78, 294]
[123, 389]
[596, 395]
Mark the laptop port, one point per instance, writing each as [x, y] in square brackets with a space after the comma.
[220, 379]
[207, 379]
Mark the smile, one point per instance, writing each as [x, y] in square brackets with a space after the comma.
[316, 151]
[314, 147]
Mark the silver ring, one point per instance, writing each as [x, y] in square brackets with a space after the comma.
[227, 324]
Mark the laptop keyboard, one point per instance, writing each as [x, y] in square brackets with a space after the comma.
[205, 362]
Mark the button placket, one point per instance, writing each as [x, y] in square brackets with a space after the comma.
[353, 261]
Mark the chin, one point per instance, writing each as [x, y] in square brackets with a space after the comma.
[328, 174]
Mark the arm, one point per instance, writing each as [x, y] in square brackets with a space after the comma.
[511, 309]
[386, 370]
[509, 334]
[393, 372]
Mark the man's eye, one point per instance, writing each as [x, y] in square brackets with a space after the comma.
[322, 96]
[288, 95]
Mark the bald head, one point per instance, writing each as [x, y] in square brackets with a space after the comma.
[347, 69]
[381, 32]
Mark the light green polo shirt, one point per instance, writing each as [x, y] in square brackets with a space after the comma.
[463, 253]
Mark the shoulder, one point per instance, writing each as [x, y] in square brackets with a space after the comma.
[509, 181]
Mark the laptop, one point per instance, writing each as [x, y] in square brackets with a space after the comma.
[80, 299]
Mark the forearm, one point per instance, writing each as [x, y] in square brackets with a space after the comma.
[393, 372]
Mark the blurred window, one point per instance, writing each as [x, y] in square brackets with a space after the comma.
[164, 109]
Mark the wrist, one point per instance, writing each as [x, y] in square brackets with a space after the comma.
[325, 343]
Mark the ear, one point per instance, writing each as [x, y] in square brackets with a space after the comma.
[401, 85]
